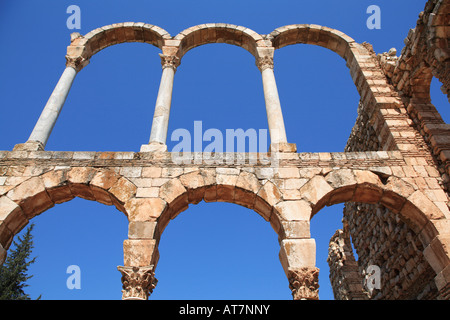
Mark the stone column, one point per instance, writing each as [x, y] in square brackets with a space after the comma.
[160, 124]
[273, 105]
[137, 282]
[44, 126]
[298, 258]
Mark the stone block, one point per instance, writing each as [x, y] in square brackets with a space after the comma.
[367, 194]
[297, 253]
[270, 193]
[225, 193]
[289, 173]
[101, 196]
[171, 190]
[31, 196]
[244, 198]
[57, 185]
[145, 209]
[123, 190]
[152, 192]
[192, 180]
[294, 210]
[211, 194]
[294, 183]
[437, 253]
[81, 175]
[141, 229]
[29, 146]
[316, 190]
[11, 215]
[131, 172]
[248, 181]
[138, 253]
[296, 229]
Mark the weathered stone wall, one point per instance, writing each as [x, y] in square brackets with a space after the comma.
[151, 189]
[426, 54]
[382, 239]
[393, 176]
[346, 280]
[363, 137]
[379, 235]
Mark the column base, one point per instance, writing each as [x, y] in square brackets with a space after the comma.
[29, 146]
[284, 147]
[154, 147]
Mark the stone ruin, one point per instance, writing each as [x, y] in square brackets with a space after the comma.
[393, 175]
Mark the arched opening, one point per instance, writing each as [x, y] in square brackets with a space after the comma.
[40, 193]
[390, 227]
[28, 200]
[323, 226]
[219, 251]
[111, 103]
[439, 99]
[381, 238]
[221, 88]
[320, 106]
[218, 33]
[79, 233]
[373, 236]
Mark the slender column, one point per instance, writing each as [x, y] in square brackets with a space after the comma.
[160, 122]
[137, 282]
[52, 109]
[273, 105]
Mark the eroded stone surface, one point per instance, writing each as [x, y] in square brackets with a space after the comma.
[393, 175]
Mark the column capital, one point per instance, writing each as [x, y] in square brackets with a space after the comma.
[304, 283]
[264, 62]
[137, 282]
[169, 61]
[77, 63]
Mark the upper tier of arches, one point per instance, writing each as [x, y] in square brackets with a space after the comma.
[85, 47]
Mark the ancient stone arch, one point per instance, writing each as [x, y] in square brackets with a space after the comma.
[40, 192]
[393, 175]
[219, 33]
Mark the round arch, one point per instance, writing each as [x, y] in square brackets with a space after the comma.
[82, 48]
[40, 193]
[419, 212]
[359, 57]
[329, 38]
[233, 186]
[219, 33]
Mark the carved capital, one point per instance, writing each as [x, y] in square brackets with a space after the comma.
[264, 62]
[304, 283]
[137, 282]
[169, 61]
[77, 63]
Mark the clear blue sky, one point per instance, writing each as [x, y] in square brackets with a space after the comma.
[212, 250]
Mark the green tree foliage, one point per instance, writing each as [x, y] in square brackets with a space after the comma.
[13, 273]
